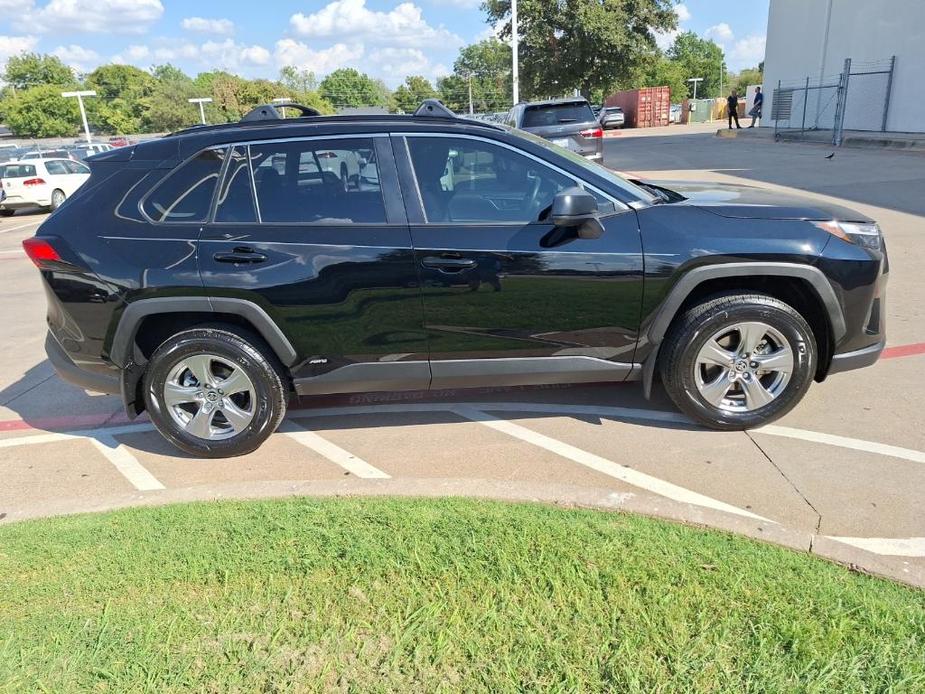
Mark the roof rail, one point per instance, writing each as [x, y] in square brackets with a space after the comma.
[271, 112]
[433, 108]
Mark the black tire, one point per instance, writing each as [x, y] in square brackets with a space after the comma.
[7, 213]
[243, 351]
[690, 332]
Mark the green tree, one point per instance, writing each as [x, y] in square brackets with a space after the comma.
[349, 87]
[34, 69]
[296, 80]
[488, 65]
[41, 111]
[748, 76]
[167, 109]
[123, 92]
[409, 95]
[699, 58]
[582, 44]
[663, 72]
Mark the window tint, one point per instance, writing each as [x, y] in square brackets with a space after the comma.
[18, 171]
[186, 194]
[557, 114]
[318, 181]
[464, 180]
[236, 196]
[56, 168]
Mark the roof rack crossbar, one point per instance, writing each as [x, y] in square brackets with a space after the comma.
[271, 112]
[433, 108]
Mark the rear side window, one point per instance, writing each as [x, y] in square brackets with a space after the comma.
[56, 168]
[18, 171]
[557, 114]
[332, 181]
[236, 196]
[185, 195]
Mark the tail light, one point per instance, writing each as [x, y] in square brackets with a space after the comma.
[592, 133]
[34, 182]
[41, 252]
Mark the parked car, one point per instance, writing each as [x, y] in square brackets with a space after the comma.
[47, 154]
[81, 152]
[40, 183]
[569, 123]
[209, 295]
[612, 117]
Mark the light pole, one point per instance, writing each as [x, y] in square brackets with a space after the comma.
[515, 40]
[695, 80]
[282, 101]
[202, 110]
[83, 112]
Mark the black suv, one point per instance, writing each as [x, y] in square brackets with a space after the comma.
[209, 275]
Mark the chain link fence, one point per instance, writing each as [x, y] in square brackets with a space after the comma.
[823, 108]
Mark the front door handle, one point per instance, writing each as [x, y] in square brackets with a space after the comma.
[242, 255]
[448, 264]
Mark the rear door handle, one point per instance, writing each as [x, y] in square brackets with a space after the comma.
[448, 264]
[242, 255]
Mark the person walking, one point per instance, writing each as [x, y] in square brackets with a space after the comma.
[732, 106]
[755, 113]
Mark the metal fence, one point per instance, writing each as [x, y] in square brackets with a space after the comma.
[823, 108]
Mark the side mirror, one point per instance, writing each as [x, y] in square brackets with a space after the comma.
[577, 208]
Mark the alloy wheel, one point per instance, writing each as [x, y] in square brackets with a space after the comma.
[744, 367]
[210, 397]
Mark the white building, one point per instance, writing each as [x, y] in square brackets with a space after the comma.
[812, 38]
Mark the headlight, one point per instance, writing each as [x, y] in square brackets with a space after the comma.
[866, 235]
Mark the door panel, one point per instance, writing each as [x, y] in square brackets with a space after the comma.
[520, 290]
[330, 262]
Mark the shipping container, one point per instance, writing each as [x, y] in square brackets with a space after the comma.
[643, 108]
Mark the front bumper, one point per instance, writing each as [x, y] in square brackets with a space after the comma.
[70, 372]
[856, 359]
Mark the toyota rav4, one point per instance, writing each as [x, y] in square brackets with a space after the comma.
[209, 275]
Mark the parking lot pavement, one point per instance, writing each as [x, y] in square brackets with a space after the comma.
[843, 475]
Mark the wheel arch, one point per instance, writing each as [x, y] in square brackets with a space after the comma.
[804, 287]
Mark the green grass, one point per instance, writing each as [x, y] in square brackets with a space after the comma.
[451, 595]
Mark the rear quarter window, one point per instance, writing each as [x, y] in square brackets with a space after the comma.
[556, 114]
[185, 195]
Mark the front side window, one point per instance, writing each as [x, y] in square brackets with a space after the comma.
[185, 195]
[75, 167]
[56, 168]
[332, 181]
[463, 180]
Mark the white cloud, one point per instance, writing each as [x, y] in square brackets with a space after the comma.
[747, 52]
[461, 4]
[397, 63]
[321, 62]
[15, 6]
[77, 57]
[221, 27]
[664, 39]
[721, 33]
[230, 55]
[351, 20]
[683, 13]
[14, 45]
[91, 16]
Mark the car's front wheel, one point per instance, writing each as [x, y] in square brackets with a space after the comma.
[214, 393]
[738, 361]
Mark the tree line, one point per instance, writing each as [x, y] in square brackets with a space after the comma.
[586, 46]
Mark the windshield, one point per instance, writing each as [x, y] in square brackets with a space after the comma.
[539, 116]
[591, 167]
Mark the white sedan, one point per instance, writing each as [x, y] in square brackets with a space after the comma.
[39, 183]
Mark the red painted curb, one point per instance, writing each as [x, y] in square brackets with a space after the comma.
[903, 351]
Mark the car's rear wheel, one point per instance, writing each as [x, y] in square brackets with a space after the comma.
[214, 393]
[57, 199]
[738, 361]
[7, 213]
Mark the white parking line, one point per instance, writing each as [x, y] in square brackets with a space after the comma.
[336, 454]
[7, 254]
[843, 442]
[121, 459]
[889, 546]
[602, 465]
[22, 226]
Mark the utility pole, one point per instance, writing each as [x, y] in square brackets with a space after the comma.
[202, 110]
[83, 112]
[282, 101]
[470, 94]
[515, 40]
[720, 76]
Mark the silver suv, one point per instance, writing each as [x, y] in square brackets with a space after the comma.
[569, 123]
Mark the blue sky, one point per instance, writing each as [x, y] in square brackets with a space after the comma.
[386, 38]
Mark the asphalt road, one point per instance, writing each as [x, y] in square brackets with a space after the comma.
[843, 475]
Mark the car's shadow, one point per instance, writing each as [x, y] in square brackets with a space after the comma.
[44, 403]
